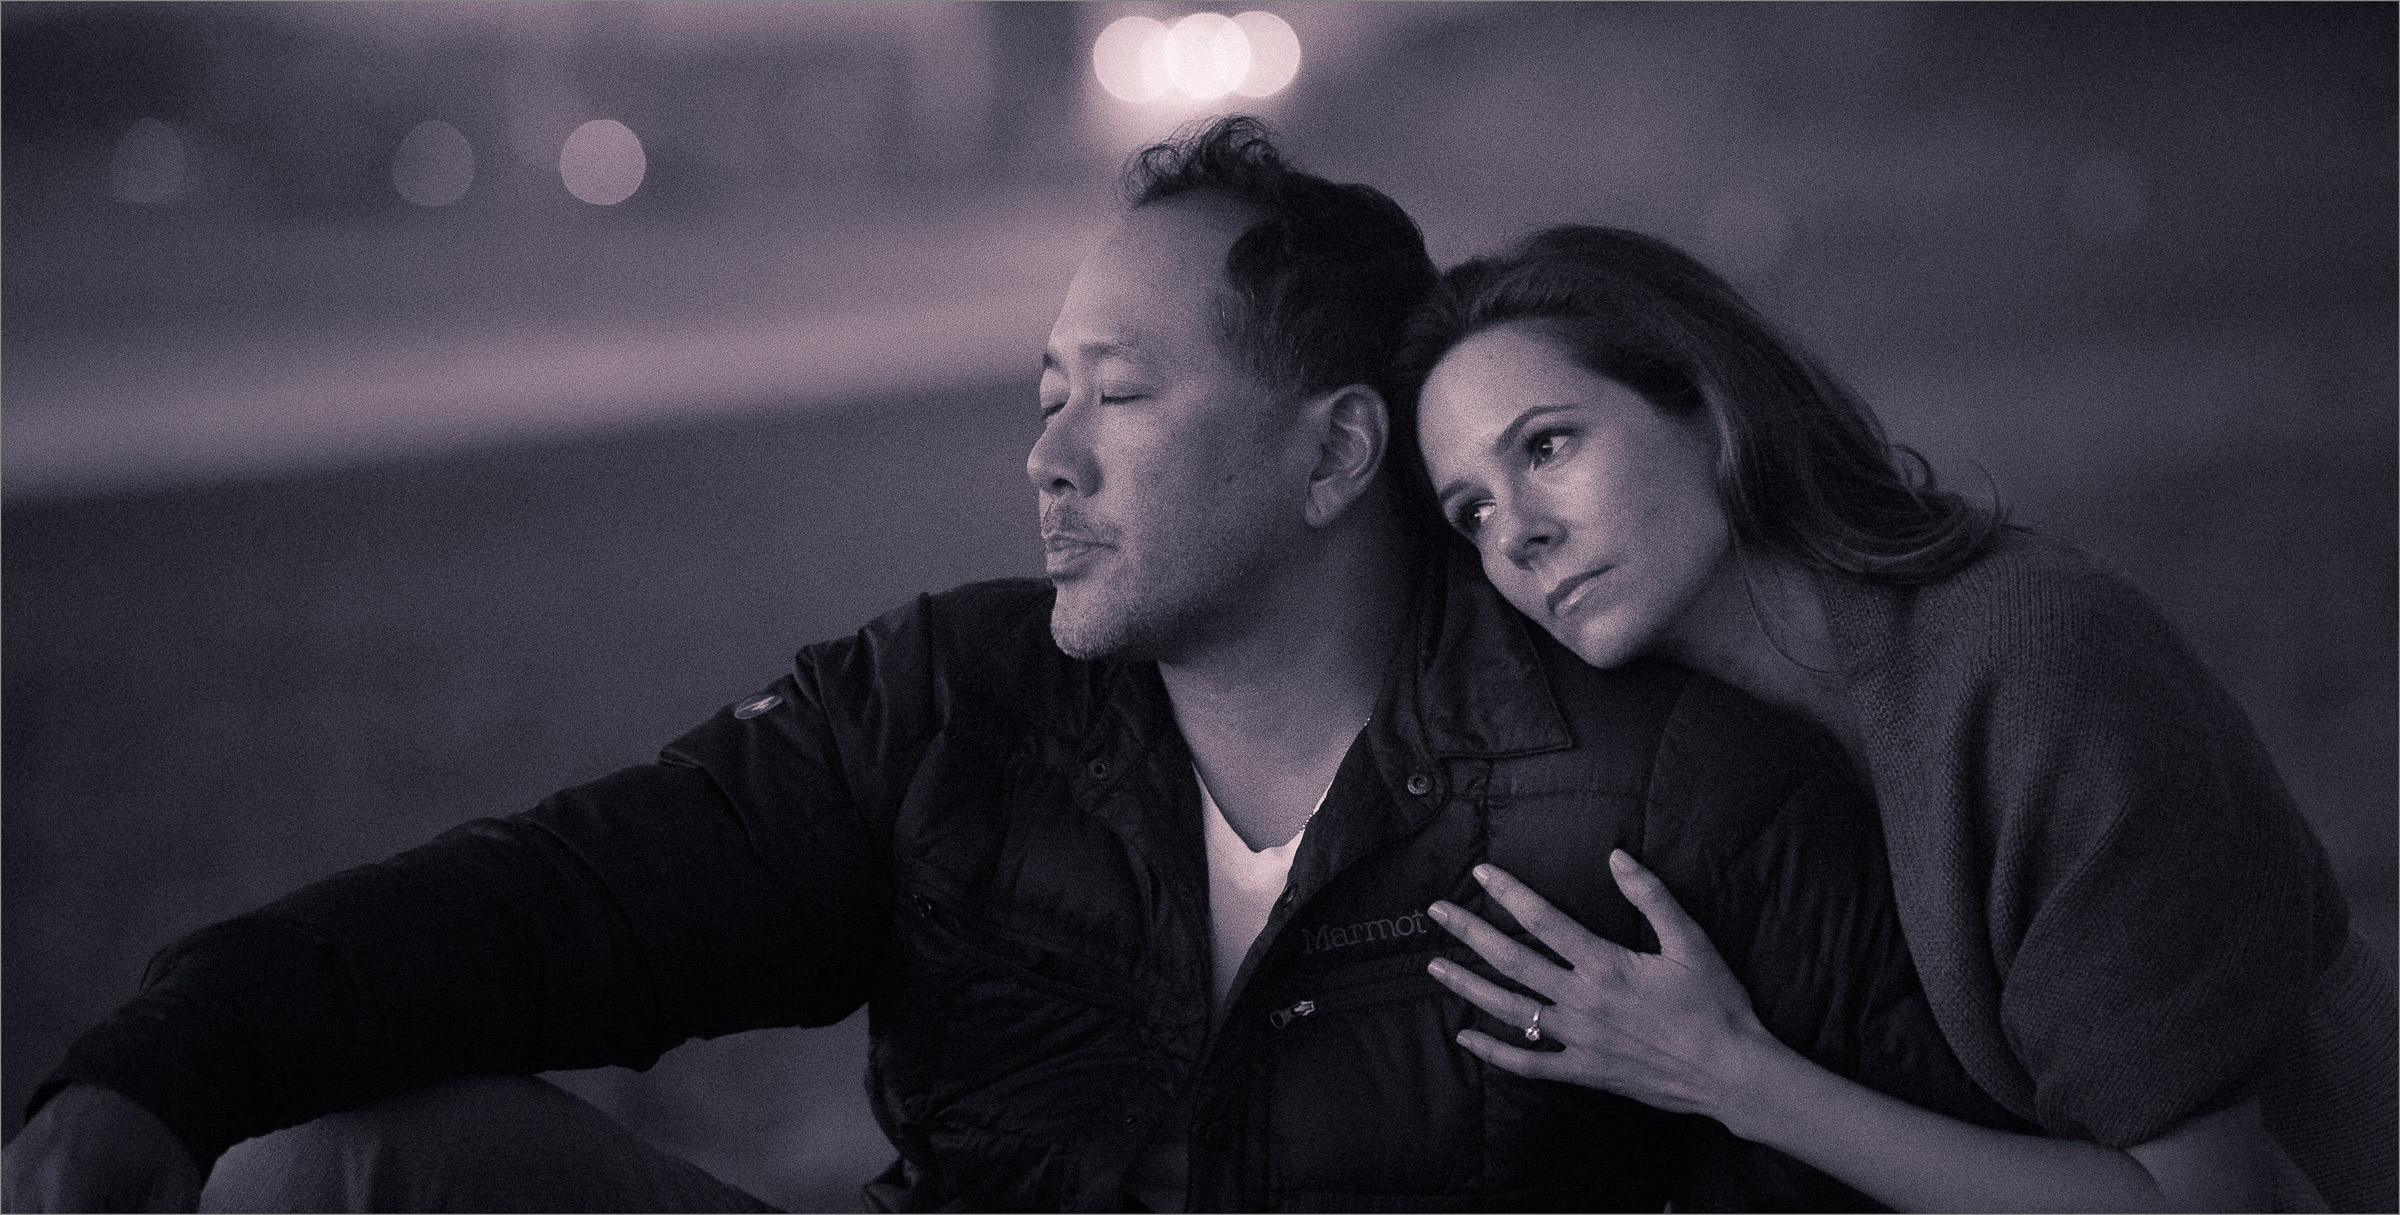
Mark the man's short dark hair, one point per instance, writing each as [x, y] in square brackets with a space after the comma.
[1324, 279]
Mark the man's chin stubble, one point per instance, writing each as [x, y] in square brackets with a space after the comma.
[1092, 635]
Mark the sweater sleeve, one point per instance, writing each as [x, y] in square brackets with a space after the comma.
[2154, 907]
[737, 883]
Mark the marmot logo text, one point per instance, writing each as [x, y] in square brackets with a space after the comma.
[1337, 936]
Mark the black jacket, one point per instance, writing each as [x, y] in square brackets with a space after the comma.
[998, 850]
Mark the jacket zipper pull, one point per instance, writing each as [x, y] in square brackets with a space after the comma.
[1285, 1016]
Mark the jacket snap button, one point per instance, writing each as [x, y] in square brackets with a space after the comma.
[1099, 769]
[1420, 784]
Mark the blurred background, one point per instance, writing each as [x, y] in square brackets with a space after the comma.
[410, 410]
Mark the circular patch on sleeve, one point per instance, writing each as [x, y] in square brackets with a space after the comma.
[752, 708]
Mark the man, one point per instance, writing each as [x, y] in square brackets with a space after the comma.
[1130, 868]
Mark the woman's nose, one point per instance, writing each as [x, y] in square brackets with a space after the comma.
[1526, 535]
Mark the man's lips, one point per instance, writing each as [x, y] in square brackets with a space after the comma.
[1069, 542]
[1566, 590]
[1064, 551]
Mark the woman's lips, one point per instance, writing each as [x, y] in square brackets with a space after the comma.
[1567, 593]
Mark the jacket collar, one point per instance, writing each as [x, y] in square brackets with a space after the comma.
[1479, 690]
[1470, 685]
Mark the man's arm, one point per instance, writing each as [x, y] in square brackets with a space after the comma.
[742, 881]
[92, 1149]
[608, 925]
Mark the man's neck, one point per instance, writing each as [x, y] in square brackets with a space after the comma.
[1269, 713]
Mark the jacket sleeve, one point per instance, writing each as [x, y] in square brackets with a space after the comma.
[1818, 944]
[737, 883]
[1775, 850]
[1804, 917]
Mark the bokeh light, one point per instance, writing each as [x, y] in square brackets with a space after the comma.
[149, 166]
[1207, 56]
[602, 162]
[1274, 54]
[434, 165]
[1203, 57]
[1130, 57]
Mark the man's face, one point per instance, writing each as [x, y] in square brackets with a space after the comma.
[1169, 487]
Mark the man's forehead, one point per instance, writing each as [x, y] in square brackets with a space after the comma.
[1202, 218]
[1153, 281]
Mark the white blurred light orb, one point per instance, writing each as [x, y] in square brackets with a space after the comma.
[1207, 56]
[602, 162]
[1130, 58]
[434, 165]
[149, 165]
[1274, 54]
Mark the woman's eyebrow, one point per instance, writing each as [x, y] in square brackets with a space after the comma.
[1508, 437]
[1501, 444]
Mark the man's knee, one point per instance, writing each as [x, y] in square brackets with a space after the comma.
[487, 1143]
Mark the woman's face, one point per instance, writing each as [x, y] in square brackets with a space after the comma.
[1596, 514]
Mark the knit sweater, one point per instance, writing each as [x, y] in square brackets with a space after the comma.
[2119, 915]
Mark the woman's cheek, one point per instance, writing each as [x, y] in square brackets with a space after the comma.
[1515, 585]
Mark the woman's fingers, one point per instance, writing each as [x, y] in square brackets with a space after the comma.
[1497, 948]
[1532, 1064]
[1558, 930]
[1678, 936]
[1483, 993]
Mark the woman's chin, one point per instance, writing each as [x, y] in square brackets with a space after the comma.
[1604, 649]
[1594, 635]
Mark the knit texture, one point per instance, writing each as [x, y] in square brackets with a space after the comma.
[2120, 917]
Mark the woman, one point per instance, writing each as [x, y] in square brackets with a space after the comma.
[2128, 934]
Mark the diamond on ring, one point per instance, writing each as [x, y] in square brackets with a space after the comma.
[1533, 1032]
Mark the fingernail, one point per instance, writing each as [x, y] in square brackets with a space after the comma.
[1461, 1039]
[1485, 873]
[1437, 967]
[1620, 857]
[1439, 911]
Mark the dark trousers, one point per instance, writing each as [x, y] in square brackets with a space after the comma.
[494, 1143]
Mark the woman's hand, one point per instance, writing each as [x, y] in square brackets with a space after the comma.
[1673, 1029]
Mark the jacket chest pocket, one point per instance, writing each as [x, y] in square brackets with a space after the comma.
[1369, 1094]
[976, 952]
[1003, 1030]
[1365, 1092]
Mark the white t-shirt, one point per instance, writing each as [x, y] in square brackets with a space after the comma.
[1242, 888]
[1242, 885]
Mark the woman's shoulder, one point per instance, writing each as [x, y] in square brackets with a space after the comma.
[2029, 604]
[2023, 564]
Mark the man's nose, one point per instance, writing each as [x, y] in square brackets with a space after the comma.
[1061, 460]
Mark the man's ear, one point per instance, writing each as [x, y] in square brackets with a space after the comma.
[1352, 426]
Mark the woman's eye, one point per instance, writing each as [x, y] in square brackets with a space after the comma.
[1469, 518]
[1547, 446]
[1118, 398]
[1051, 407]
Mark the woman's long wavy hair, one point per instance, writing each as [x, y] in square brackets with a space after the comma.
[1803, 468]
